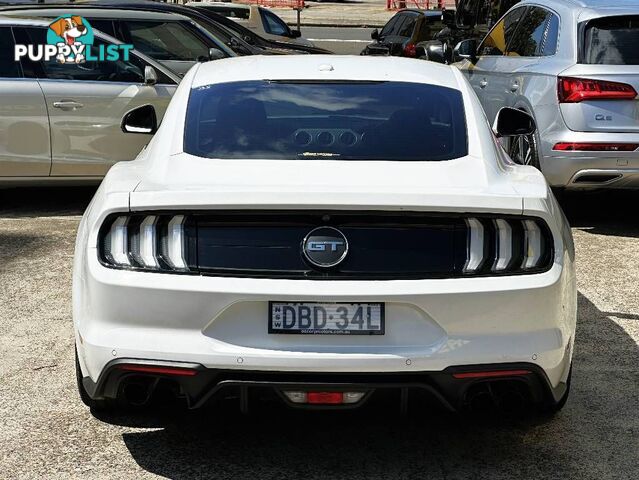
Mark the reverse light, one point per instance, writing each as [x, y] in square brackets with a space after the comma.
[595, 147]
[575, 90]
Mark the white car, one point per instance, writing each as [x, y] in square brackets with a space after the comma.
[325, 229]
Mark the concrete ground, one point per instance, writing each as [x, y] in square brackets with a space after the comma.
[45, 432]
[347, 13]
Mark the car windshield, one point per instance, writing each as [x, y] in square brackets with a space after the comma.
[302, 120]
[612, 41]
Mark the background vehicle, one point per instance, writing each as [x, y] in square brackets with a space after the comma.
[174, 40]
[290, 235]
[208, 21]
[257, 19]
[62, 123]
[253, 38]
[471, 19]
[406, 34]
[588, 132]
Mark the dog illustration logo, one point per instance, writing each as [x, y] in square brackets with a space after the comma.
[70, 40]
[71, 34]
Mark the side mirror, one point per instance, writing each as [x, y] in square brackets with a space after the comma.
[511, 122]
[140, 120]
[433, 51]
[449, 18]
[150, 75]
[466, 49]
[296, 34]
[375, 35]
[216, 54]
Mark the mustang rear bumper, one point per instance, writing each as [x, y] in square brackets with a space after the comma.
[220, 325]
[457, 388]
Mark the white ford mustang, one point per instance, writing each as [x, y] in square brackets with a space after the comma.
[325, 230]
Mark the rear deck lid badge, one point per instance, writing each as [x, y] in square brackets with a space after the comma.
[325, 247]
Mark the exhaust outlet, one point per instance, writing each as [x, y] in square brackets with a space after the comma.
[137, 392]
[481, 402]
[511, 401]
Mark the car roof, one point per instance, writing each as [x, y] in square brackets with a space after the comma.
[324, 68]
[587, 4]
[426, 13]
[93, 11]
[239, 6]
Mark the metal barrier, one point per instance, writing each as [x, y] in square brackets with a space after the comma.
[420, 4]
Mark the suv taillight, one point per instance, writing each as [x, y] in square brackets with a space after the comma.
[410, 50]
[575, 90]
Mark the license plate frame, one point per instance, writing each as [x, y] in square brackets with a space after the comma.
[328, 331]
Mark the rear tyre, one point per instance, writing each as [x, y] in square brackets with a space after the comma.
[93, 404]
[523, 150]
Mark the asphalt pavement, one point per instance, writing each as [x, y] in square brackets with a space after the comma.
[45, 432]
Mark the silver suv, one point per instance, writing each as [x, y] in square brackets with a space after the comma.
[574, 65]
[62, 123]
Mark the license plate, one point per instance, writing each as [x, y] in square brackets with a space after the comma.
[326, 318]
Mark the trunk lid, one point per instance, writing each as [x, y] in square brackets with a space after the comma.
[608, 53]
[189, 182]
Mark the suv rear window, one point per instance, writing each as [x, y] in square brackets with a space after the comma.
[612, 41]
[308, 120]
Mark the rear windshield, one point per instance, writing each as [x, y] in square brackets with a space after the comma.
[612, 41]
[292, 120]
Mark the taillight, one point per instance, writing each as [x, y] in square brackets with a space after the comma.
[575, 90]
[595, 147]
[410, 50]
[507, 246]
[146, 242]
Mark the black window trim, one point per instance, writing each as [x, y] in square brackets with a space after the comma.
[545, 34]
[21, 74]
[481, 45]
[528, 7]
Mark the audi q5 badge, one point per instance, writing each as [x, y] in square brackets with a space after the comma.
[325, 247]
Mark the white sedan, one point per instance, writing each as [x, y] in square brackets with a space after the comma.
[326, 230]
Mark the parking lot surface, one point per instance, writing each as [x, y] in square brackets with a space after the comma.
[45, 431]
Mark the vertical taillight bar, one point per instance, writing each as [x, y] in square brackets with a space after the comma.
[476, 250]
